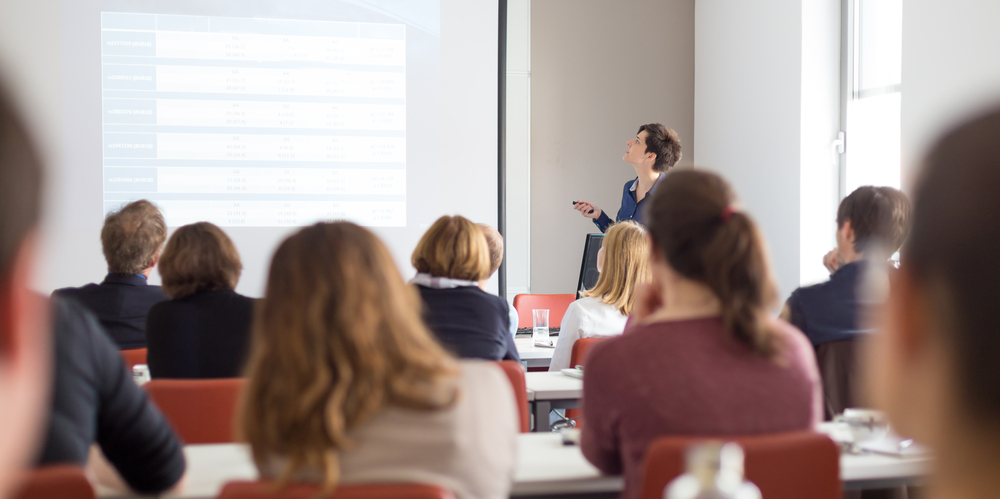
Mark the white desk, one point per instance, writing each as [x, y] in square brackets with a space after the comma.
[531, 355]
[547, 391]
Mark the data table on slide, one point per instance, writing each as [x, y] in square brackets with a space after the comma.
[255, 122]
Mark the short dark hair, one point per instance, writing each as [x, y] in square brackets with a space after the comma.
[880, 217]
[663, 142]
[20, 183]
[952, 252]
[132, 237]
[199, 257]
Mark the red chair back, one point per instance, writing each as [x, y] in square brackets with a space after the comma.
[202, 411]
[63, 482]
[265, 490]
[555, 304]
[515, 373]
[784, 465]
[133, 357]
[578, 357]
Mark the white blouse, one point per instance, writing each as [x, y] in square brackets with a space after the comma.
[587, 317]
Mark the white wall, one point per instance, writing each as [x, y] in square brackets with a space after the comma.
[764, 118]
[599, 70]
[518, 175]
[950, 69]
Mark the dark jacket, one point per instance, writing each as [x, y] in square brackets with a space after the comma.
[831, 310]
[203, 335]
[94, 400]
[469, 322]
[121, 303]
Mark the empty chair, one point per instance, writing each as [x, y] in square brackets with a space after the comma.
[55, 482]
[579, 356]
[515, 372]
[839, 371]
[784, 465]
[265, 490]
[202, 411]
[555, 304]
[133, 356]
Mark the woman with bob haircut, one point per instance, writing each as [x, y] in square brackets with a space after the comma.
[704, 356]
[347, 385]
[203, 331]
[602, 312]
[451, 259]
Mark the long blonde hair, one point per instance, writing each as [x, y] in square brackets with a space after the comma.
[626, 264]
[337, 337]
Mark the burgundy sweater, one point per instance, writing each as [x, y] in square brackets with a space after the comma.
[690, 378]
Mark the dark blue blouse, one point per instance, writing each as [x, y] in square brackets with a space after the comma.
[630, 209]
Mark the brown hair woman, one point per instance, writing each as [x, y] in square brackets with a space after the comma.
[347, 385]
[704, 357]
[203, 331]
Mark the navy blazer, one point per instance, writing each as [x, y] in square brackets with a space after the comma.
[121, 304]
[469, 322]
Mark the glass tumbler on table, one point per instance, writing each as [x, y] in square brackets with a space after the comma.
[540, 331]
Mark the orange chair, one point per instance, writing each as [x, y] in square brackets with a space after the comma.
[515, 373]
[133, 357]
[63, 482]
[265, 490]
[555, 304]
[784, 465]
[202, 411]
[577, 357]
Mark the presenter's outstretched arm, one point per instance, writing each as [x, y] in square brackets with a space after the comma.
[590, 210]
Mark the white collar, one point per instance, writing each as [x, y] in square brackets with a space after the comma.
[430, 281]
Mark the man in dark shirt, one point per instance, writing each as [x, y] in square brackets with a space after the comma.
[131, 240]
[94, 400]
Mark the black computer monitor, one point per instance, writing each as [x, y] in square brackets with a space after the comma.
[588, 269]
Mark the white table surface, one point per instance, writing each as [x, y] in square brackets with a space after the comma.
[553, 386]
[527, 350]
[544, 466]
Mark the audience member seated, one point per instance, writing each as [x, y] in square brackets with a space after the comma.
[872, 223]
[348, 386]
[704, 356]
[95, 401]
[24, 338]
[451, 258]
[131, 240]
[494, 241]
[603, 310]
[203, 331]
[933, 366]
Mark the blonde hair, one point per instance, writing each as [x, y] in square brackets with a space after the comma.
[453, 247]
[337, 337]
[626, 264]
[199, 257]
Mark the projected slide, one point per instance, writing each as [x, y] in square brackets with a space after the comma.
[255, 122]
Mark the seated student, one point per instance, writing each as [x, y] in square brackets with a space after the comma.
[703, 357]
[95, 401]
[348, 386]
[203, 331]
[24, 338]
[871, 226]
[451, 258]
[603, 310]
[131, 240]
[494, 241]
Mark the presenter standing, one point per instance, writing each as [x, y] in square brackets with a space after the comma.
[652, 152]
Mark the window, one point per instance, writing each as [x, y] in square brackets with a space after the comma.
[873, 34]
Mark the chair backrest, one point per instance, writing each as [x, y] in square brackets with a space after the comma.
[63, 482]
[839, 372]
[202, 411]
[515, 373]
[581, 348]
[784, 465]
[133, 357]
[555, 304]
[266, 490]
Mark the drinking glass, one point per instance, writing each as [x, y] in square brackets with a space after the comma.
[540, 331]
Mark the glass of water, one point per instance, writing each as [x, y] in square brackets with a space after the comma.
[540, 331]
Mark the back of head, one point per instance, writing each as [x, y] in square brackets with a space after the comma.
[953, 253]
[665, 143]
[880, 218]
[199, 257]
[337, 337]
[494, 242]
[455, 248]
[701, 236]
[132, 237]
[626, 264]
[20, 185]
